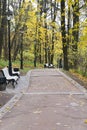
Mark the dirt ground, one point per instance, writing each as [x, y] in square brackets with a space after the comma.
[4, 98]
[77, 79]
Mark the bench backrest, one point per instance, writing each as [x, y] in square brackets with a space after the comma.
[5, 71]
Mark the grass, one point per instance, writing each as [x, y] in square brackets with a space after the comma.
[3, 63]
[27, 65]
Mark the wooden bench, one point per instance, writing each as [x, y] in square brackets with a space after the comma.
[12, 79]
[48, 65]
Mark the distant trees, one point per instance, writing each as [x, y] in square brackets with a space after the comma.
[16, 23]
[48, 15]
[50, 29]
[71, 14]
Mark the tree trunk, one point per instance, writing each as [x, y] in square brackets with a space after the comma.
[3, 26]
[53, 18]
[75, 30]
[45, 26]
[63, 31]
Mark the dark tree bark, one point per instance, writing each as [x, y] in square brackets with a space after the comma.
[45, 26]
[53, 18]
[63, 31]
[75, 30]
[40, 20]
[3, 25]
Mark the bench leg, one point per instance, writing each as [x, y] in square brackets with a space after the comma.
[13, 84]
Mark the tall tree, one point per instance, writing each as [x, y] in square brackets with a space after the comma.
[45, 26]
[3, 25]
[75, 29]
[53, 19]
[63, 32]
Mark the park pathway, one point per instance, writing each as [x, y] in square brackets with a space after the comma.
[52, 102]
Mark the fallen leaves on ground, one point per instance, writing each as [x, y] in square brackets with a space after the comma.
[85, 121]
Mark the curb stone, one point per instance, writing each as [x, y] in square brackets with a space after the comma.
[6, 108]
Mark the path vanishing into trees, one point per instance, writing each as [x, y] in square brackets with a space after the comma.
[52, 102]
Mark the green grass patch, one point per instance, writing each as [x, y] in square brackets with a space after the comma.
[80, 72]
[27, 65]
[3, 63]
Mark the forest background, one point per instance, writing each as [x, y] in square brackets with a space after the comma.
[45, 31]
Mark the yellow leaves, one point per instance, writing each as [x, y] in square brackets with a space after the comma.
[31, 21]
[52, 24]
[82, 46]
[58, 0]
[70, 3]
[79, 76]
[42, 29]
[33, 0]
[7, 108]
[22, 11]
[85, 121]
[31, 25]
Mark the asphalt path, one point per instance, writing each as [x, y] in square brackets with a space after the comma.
[52, 101]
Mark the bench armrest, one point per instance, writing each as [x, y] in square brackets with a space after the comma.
[16, 69]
